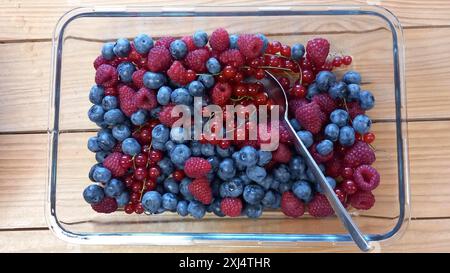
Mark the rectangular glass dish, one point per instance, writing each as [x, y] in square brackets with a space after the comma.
[370, 34]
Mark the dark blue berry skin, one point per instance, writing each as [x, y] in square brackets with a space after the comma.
[101, 155]
[324, 80]
[196, 209]
[166, 166]
[247, 156]
[297, 51]
[253, 211]
[178, 49]
[306, 137]
[253, 194]
[163, 95]
[200, 38]
[366, 100]
[196, 148]
[338, 90]
[160, 133]
[123, 199]
[284, 186]
[170, 185]
[91, 171]
[139, 117]
[160, 146]
[310, 175]
[96, 113]
[281, 173]
[353, 92]
[215, 186]
[275, 185]
[180, 154]
[214, 161]
[264, 157]
[224, 152]
[102, 174]
[122, 47]
[233, 41]
[151, 201]
[93, 194]
[109, 102]
[154, 80]
[277, 202]
[312, 91]
[108, 51]
[130, 146]
[266, 182]
[256, 173]
[106, 141]
[352, 77]
[93, 144]
[121, 132]
[125, 71]
[207, 80]
[362, 124]
[114, 188]
[213, 66]
[243, 176]
[177, 135]
[207, 149]
[332, 132]
[330, 182]
[227, 170]
[196, 89]
[302, 189]
[169, 201]
[184, 190]
[339, 117]
[298, 164]
[143, 43]
[96, 94]
[215, 207]
[346, 136]
[182, 208]
[295, 124]
[325, 147]
[154, 113]
[232, 188]
[181, 96]
[269, 199]
[113, 117]
[264, 39]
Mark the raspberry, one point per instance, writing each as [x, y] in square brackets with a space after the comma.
[196, 60]
[325, 102]
[320, 207]
[360, 153]
[112, 163]
[165, 116]
[334, 167]
[107, 205]
[221, 93]
[134, 56]
[219, 40]
[294, 104]
[354, 109]
[317, 51]
[117, 148]
[197, 167]
[250, 45]
[309, 116]
[291, 206]
[159, 59]
[177, 73]
[106, 75]
[126, 100]
[283, 154]
[366, 177]
[232, 57]
[231, 206]
[99, 61]
[111, 91]
[200, 189]
[164, 42]
[363, 200]
[189, 41]
[138, 78]
[318, 157]
[285, 135]
[145, 99]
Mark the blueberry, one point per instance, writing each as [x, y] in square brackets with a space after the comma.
[108, 51]
[154, 80]
[330, 182]
[196, 209]
[275, 185]
[106, 141]
[362, 124]
[91, 171]
[352, 77]
[196, 148]
[331, 132]
[139, 117]
[143, 43]
[104, 131]
[297, 51]
[114, 116]
[169, 201]
[123, 199]
[247, 156]
[181, 96]
[96, 113]
[151, 201]
[312, 91]
[154, 113]
[114, 188]
[109, 102]
[178, 49]
[101, 155]
[269, 199]
[196, 89]
[339, 117]
[277, 202]
[200, 38]
[170, 185]
[227, 169]
[284, 186]
[163, 95]
[122, 47]
[177, 135]
[207, 80]
[256, 173]
[353, 92]
[346, 136]
[215, 207]
[306, 137]
[125, 71]
[233, 41]
[182, 208]
[93, 144]
[324, 80]
[281, 173]
[180, 154]
[96, 94]
[213, 65]
[366, 100]
[184, 190]
[338, 90]
[93, 194]
[253, 194]
[160, 133]
[215, 187]
[130, 146]
[297, 165]
[121, 132]
[253, 211]
[160, 146]
[232, 188]
[166, 166]
[207, 149]
[325, 147]
[266, 182]
[243, 176]
[310, 175]
[101, 174]
[224, 152]
[265, 41]
[302, 190]
[295, 124]
[264, 157]
[169, 145]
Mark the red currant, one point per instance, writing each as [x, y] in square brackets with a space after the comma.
[128, 181]
[135, 197]
[347, 173]
[337, 61]
[260, 98]
[155, 156]
[190, 75]
[152, 123]
[139, 209]
[154, 172]
[340, 194]
[267, 59]
[307, 77]
[240, 90]
[129, 208]
[238, 77]
[349, 186]
[259, 75]
[228, 72]
[140, 173]
[141, 160]
[252, 90]
[274, 61]
[221, 78]
[178, 175]
[290, 65]
[145, 136]
[137, 186]
[298, 91]
[306, 64]
[358, 136]
[254, 63]
[150, 184]
[276, 47]
[285, 82]
[224, 144]
[286, 51]
[126, 161]
[347, 60]
[369, 137]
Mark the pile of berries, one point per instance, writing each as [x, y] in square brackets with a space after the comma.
[146, 165]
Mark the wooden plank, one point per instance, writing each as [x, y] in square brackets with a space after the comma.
[27, 19]
[420, 236]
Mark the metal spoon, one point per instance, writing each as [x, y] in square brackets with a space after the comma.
[278, 95]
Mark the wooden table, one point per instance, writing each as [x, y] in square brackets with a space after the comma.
[25, 41]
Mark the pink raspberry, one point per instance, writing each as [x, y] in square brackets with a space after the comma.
[363, 200]
[106, 76]
[165, 116]
[177, 73]
[145, 99]
[310, 117]
[107, 205]
[159, 59]
[164, 41]
[294, 104]
[189, 41]
[219, 40]
[283, 154]
[319, 206]
[138, 78]
[126, 100]
[250, 45]
[354, 109]
[196, 60]
[201, 190]
[291, 206]
[325, 102]
[196, 167]
[366, 177]
[112, 163]
[99, 61]
[360, 153]
[318, 157]
[232, 57]
[231, 206]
